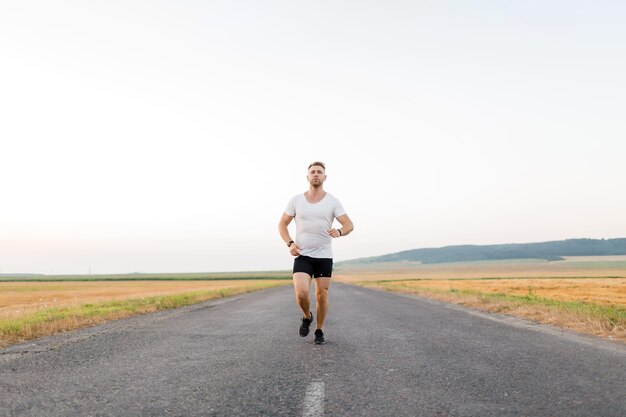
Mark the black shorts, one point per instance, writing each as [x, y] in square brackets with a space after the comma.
[315, 267]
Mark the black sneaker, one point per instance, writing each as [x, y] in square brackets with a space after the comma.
[304, 327]
[319, 337]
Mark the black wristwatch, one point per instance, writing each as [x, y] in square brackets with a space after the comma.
[290, 242]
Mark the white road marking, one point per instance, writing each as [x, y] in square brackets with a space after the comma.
[314, 399]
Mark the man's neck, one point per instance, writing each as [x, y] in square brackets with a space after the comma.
[316, 191]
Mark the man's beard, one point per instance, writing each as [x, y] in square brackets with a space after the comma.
[316, 184]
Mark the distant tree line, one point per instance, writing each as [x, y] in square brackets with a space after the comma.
[551, 251]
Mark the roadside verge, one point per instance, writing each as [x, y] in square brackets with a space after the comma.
[605, 318]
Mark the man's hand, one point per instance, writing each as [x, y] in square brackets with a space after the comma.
[334, 232]
[294, 249]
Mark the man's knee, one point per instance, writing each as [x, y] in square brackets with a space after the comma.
[321, 294]
[302, 295]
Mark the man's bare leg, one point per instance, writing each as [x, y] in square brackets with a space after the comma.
[321, 299]
[302, 283]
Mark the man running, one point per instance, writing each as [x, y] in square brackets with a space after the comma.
[314, 211]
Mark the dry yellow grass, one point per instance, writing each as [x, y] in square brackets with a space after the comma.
[608, 291]
[34, 309]
[594, 306]
[19, 298]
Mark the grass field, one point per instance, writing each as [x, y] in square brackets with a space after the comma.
[587, 294]
[34, 309]
[582, 293]
[594, 306]
[192, 276]
[574, 266]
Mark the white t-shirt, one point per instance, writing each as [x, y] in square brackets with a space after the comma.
[313, 222]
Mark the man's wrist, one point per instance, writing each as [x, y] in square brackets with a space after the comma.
[340, 234]
[289, 243]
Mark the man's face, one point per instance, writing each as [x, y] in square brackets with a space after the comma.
[316, 176]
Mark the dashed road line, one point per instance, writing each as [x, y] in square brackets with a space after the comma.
[314, 399]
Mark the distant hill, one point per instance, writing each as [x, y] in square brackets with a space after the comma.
[551, 251]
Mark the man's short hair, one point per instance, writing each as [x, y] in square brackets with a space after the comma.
[317, 163]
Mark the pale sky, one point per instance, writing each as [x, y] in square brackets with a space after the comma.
[156, 136]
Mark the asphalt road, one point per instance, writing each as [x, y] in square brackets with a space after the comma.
[386, 355]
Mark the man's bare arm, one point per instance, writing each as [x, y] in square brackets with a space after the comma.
[283, 229]
[346, 227]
